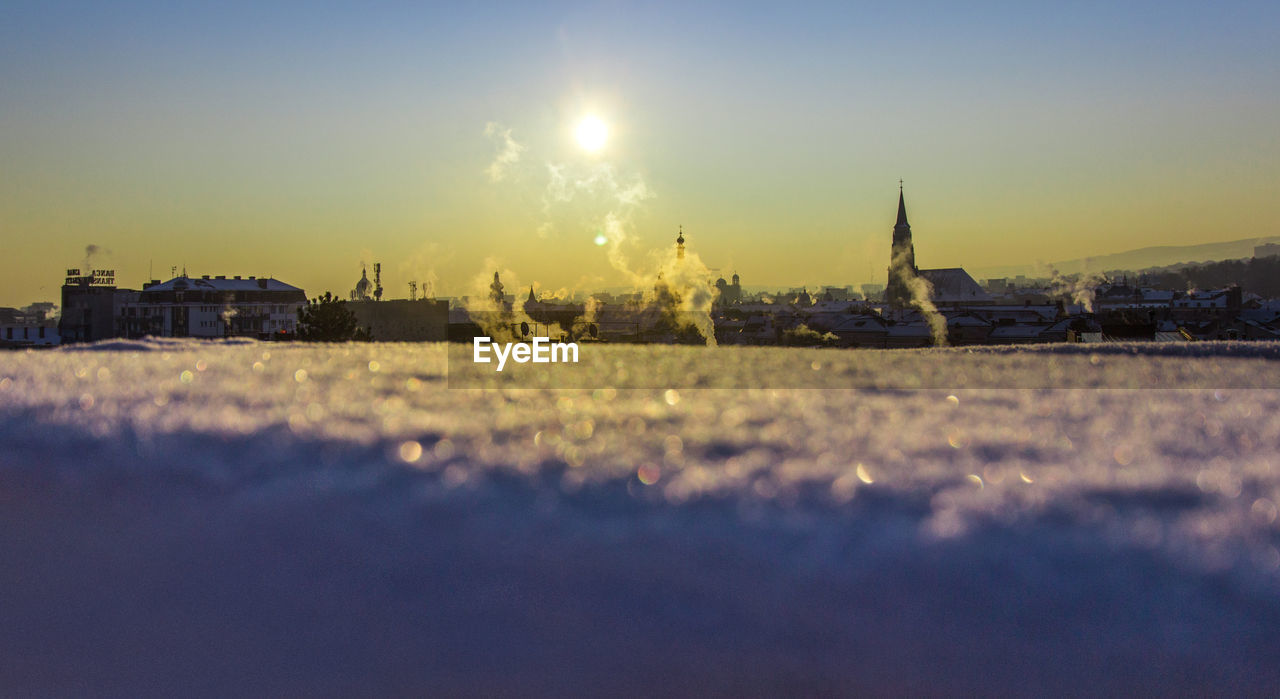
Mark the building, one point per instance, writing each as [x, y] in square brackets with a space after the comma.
[838, 293]
[14, 335]
[729, 294]
[1266, 250]
[92, 306]
[29, 327]
[902, 258]
[366, 290]
[1218, 304]
[212, 307]
[950, 286]
[400, 320]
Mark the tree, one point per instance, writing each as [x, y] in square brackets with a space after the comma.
[327, 319]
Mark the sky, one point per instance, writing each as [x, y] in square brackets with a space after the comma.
[300, 140]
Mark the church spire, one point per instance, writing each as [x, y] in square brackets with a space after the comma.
[902, 208]
[902, 258]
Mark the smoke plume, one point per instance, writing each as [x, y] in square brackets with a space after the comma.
[921, 292]
[487, 306]
[93, 255]
[594, 200]
[508, 151]
[420, 266]
[1081, 289]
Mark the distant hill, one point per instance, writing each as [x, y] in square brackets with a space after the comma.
[1142, 258]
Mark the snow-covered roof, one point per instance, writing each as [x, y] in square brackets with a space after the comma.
[910, 330]
[966, 320]
[1040, 312]
[860, 323]
[829, 307]
[221, 284]
[1016, 331]
[953, 284]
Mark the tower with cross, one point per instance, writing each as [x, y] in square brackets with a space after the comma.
[902, 258]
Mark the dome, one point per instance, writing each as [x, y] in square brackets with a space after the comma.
[363, 286]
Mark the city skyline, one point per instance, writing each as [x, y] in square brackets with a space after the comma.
[244, 140]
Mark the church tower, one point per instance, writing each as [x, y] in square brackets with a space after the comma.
[497, 295]
[902, 260]
[680, 244]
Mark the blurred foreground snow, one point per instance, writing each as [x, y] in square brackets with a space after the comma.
[196, 518]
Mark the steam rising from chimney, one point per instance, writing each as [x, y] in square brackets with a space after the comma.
[92, 256]
[1080, 289]
[921, 292]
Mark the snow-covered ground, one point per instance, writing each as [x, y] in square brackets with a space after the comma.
[228, 518]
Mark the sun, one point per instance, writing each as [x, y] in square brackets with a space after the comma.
[592, 134]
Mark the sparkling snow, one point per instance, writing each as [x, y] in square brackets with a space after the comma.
[222, 518]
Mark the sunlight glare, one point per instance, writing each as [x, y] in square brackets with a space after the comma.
[592, 134]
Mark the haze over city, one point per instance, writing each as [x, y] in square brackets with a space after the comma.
[298, 141]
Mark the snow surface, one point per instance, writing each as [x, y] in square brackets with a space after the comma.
[181, 517]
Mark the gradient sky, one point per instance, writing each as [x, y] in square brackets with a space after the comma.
[300, 139]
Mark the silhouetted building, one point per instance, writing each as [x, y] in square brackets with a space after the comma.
[953, 286]
[729, 294]
[400, 320]
[91, 306]
[364, 287]
[902, 259]
[213, 307]
[1266, 250]
[499, 299]
[950, 286]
